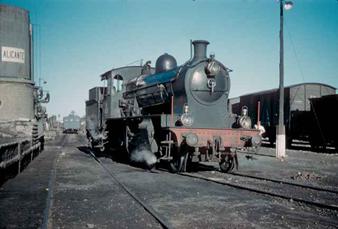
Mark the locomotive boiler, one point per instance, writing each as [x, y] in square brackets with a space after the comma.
[173, 113]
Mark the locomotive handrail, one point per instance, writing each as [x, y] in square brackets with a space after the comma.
[136, 117]
[209, 90]
[7, 144]
[18, 152]
[147, 86]
[13, 143]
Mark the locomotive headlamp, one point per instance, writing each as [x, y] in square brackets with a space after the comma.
[191, 139]
[212, 69]
[187, 119]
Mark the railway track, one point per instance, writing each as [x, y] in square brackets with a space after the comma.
[285, 182]
[294, 192]
[303, 194]
[47, 222]
[145, 206]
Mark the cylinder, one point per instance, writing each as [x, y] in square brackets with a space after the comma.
[15, 43]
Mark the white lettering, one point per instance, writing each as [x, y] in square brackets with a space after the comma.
[10, 54]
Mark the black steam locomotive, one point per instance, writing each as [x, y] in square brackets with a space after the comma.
[173, 113]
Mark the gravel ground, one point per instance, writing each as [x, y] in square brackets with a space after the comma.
[193, 203]
[319, 169]
[66, 188]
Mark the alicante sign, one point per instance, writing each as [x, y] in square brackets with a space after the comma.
[10, 54]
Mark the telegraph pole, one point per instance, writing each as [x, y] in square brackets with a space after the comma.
[280, 130]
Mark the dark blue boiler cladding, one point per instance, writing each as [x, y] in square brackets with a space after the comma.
[161, 78]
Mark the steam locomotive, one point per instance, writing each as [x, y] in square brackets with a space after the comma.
[71, 123]
[179, 114]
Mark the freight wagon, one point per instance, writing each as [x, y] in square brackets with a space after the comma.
[297, 116]
[324, 111]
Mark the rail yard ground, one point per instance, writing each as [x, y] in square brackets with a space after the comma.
[67, 187]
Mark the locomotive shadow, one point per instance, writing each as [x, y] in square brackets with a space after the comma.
[162, 165]
[192, 167]
[198, 166]
[114, 156]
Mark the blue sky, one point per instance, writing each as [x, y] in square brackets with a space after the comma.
[77, 40]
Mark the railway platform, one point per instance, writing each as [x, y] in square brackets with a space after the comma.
[67, 186]
[23, 198]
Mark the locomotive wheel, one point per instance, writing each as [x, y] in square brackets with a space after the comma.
[227, 164]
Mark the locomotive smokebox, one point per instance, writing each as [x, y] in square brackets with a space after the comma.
[200, 50]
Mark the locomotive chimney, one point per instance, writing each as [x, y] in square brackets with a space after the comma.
[200, 49]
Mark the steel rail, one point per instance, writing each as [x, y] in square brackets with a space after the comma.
[146, 207]
[285, 182]
[317, 204]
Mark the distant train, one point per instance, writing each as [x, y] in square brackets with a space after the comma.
[298, 111]
[172, 113]
[71, 123]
